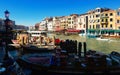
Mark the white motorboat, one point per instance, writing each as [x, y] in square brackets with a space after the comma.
[82, 34]
[102, 39]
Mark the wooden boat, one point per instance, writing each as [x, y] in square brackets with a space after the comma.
[70, 65]
[35, 49]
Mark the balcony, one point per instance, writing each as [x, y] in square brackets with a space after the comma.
[102, 17]
[104, 22]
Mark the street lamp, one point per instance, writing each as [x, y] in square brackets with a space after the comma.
[7, 14]
[7, 38]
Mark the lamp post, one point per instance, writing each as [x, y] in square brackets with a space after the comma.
[7, 33]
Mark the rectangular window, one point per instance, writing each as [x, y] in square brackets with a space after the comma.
[69, 22]
[72, 22]
[106, 14]
[110, 25]
[106, 20]
[90, 16]
[102, 20]
[117, 21]
[102, 15]
[69, 18]
[102, 26]
[118, 27]
[90, 26]
[97, 26]
[84, 25]
[111, 19]
[98, 10]
[93, 26]
[97, 15]
[111, 14]
[106, 26]
[98, 20]
[118, 13]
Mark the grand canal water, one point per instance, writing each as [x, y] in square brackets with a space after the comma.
[93, 44]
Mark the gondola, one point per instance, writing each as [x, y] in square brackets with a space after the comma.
[69, 64]
[115, 56]
[35, 49]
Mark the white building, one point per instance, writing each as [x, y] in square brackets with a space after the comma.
[50, 25]
[72, 21]
[82, 23]
[43, 25]
[31, 28]
[56, 23]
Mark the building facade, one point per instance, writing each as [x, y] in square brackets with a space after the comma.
[100, 21]
[82, 23]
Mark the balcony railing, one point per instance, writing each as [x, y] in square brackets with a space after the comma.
[104, 17]
[104, 22]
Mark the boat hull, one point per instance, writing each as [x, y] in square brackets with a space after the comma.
[36, 50]
[68, 69]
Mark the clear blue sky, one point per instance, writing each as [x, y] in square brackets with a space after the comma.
[29, 12]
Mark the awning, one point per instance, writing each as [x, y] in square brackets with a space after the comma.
[111, 30]
[104, 30]
[117, 31]
[107, 30]
[91, 30]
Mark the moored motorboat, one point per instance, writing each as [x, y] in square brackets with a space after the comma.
[102, 39]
